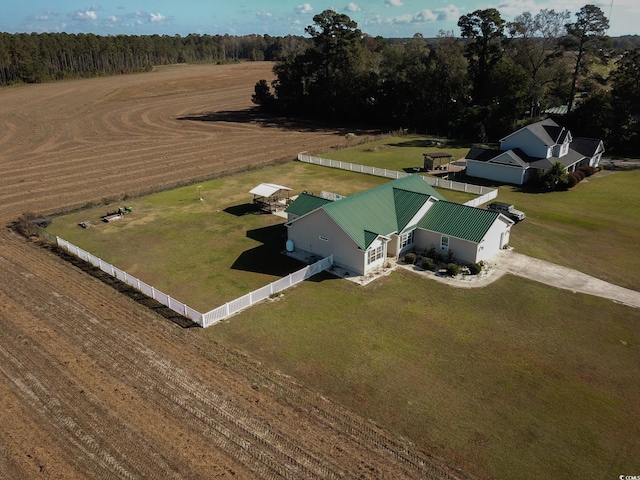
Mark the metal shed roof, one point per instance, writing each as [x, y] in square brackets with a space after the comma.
[267, 189]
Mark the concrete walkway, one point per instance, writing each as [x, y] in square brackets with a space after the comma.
[507, 261]
[563, 277]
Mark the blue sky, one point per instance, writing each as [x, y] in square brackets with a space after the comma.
[388, 18]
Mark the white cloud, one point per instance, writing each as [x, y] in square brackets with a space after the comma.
[264, 15]
[353, 7]
[156, 17]
[393, 3]
[86, 15]
[304, 9]
[423, 16]
[448, 13]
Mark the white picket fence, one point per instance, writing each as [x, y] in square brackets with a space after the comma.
[256, 296]
[202, 319]
[485, 193]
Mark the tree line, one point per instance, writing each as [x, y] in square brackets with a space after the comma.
[481, 84]
[42, 57]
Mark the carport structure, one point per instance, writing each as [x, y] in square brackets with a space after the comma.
[431, 158]
[266, 197]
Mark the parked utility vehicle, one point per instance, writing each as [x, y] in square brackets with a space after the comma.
[508, 210]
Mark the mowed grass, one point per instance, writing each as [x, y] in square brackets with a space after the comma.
[515, 380]
[205, 253]
[594, 227]
[509, 381]
[398, 153]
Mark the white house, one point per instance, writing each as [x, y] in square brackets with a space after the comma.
[527, 152]
[362, 230]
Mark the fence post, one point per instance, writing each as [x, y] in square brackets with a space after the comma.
[153, 293]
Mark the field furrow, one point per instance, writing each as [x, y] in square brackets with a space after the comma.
[97, 385]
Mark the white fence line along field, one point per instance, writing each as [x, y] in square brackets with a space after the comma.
[486, 194]
[202, 319]
[234, 306]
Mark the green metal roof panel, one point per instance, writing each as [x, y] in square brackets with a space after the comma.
[381, 210]
[305, 203]
[460, 221]
[371, 211]
[369, 237]
[407, 205]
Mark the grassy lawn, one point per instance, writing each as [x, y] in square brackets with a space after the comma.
[592, 227]
[208, 252]
[548, 392]
[509, 381]
[398, 153]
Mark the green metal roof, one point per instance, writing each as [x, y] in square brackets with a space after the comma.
[382, 210]
[305, 203]
[460, 221]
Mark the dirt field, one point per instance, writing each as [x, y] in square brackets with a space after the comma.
[93, 384]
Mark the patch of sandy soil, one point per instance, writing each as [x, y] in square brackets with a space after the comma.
[96, 385]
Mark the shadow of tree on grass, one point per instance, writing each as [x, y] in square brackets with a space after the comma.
[257, 116]
[243, 209]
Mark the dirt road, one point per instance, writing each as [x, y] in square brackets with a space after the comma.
[93, 384]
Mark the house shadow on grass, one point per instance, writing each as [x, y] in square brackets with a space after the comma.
[268, 257]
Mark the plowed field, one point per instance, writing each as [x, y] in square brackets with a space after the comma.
[93, 384]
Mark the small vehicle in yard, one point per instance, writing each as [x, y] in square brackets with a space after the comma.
[508, 210]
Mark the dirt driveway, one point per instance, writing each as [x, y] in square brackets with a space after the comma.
[93, 384]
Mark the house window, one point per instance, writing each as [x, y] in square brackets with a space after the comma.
[406, 239]
[374, 254]
[444, 243]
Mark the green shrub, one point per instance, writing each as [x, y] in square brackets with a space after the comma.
[428, 263]
[410, 258]
[431, 253]
[453, 269]
[475, 268]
